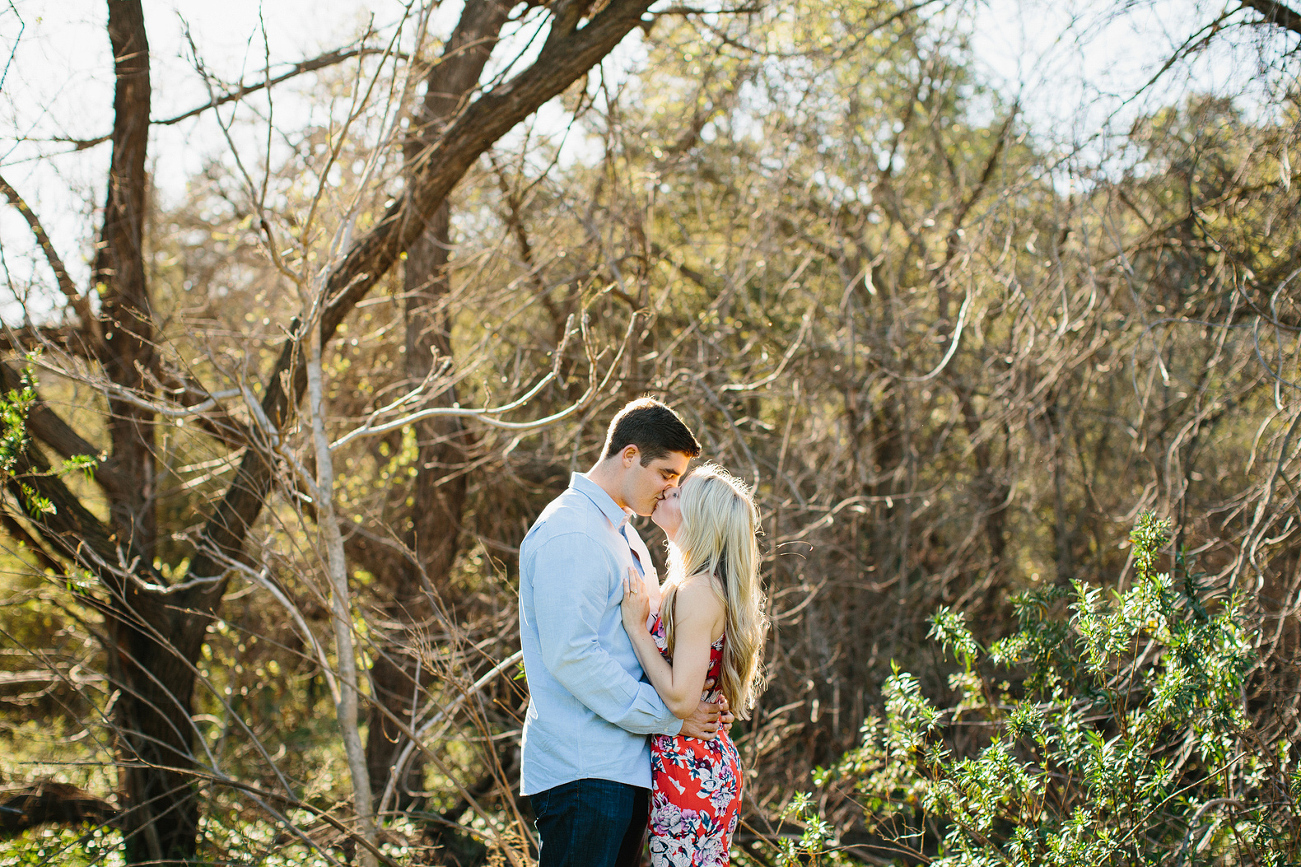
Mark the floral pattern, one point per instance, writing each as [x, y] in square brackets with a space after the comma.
[695, 788]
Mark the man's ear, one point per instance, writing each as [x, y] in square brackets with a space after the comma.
[630, 454]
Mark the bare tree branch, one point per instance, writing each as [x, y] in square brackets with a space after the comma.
[324, 61]
[19, 532]
[1275, 13]
[78, 301]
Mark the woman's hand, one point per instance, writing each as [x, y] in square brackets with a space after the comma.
[636, 602]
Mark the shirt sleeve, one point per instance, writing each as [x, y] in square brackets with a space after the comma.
[571, 591]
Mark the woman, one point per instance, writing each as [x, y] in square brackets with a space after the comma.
[711, 625]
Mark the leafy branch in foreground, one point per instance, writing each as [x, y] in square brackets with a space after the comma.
[1119, 737]
[15, 404]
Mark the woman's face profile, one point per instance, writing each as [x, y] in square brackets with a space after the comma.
[668, 512]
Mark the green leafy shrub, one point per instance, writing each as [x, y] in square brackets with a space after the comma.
[88, 846]
[15, 404]
[1119, 736]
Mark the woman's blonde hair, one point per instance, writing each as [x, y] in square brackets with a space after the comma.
[718, 537]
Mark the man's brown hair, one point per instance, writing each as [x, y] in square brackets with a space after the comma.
[653, 428]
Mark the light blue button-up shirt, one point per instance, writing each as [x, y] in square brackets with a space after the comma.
[590, 705]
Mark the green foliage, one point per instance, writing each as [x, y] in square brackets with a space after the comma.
[1125, 740]
[247, 842]
[69, 847]
[15, 404]
[13, 418]
[816, 836]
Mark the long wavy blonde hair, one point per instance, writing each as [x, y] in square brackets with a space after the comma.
[718, 537]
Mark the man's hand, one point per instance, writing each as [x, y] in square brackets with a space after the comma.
[703, 722]
[709, 717]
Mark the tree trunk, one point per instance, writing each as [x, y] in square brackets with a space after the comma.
[127, 350]
[154, 684]
[432, 536]
[438, 495]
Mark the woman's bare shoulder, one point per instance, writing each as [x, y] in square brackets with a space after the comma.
[703, 592]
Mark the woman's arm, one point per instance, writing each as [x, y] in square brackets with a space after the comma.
[700, 615]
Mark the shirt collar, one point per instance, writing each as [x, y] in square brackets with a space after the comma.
[594, 492]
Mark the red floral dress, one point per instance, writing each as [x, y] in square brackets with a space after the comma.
[695, 787]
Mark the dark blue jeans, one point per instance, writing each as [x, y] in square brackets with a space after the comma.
[591, 823]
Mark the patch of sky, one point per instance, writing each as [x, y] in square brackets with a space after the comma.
[1084, 72]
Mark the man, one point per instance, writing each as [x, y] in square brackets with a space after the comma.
[586, 760]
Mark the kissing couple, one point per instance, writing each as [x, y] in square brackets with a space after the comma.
[633, 684]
